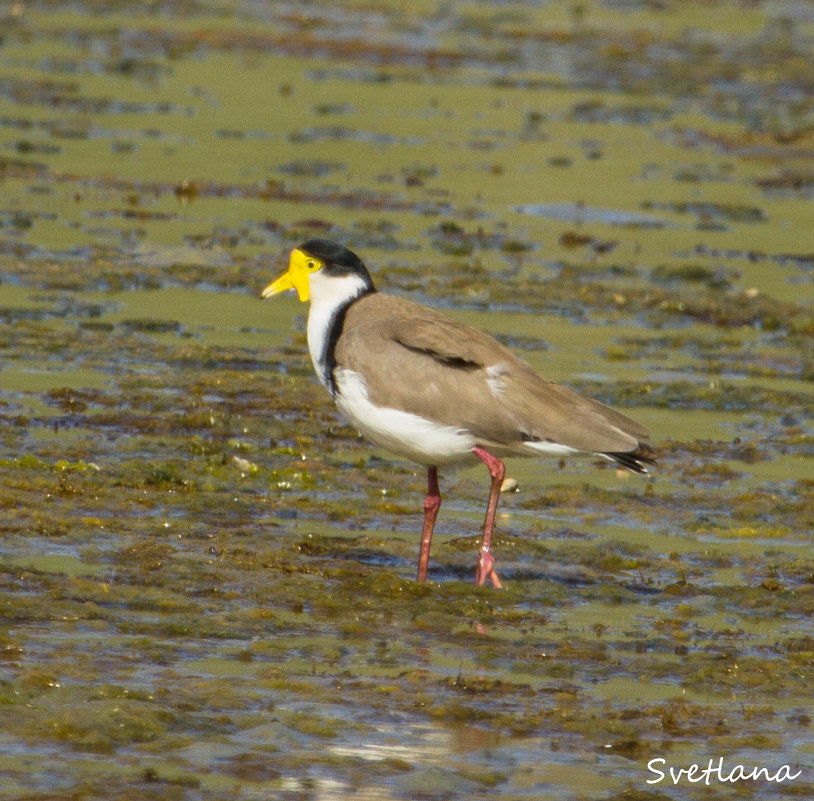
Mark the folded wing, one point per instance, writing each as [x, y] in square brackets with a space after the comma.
[420, 361]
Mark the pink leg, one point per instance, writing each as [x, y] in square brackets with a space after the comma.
[432, 503]
[486, 561]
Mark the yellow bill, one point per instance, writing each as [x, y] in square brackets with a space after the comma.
[299, 267]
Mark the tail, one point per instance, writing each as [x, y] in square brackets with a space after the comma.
[634, 460]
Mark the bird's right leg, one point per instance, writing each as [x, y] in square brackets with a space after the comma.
[486, 561]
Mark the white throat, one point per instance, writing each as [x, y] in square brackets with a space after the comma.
[329, 295]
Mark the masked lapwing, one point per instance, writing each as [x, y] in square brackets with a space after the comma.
[438, 392]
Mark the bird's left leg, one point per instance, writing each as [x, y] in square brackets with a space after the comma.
[432, 503]
[486, 561]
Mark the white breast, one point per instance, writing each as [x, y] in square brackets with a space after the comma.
[408, 435]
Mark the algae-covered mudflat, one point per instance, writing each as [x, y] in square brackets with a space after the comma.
[207, 579]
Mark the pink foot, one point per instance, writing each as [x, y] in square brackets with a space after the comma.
[486, 569]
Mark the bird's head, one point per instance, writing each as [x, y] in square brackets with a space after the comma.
[320, 269]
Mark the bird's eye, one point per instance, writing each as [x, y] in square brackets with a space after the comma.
[311, 264]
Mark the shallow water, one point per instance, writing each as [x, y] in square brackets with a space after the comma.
[206, 578]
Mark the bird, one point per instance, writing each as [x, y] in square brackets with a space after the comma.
[438, 392]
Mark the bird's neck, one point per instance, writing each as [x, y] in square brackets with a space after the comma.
[325, 320]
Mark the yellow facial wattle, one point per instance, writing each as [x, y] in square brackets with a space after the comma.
[300, 266]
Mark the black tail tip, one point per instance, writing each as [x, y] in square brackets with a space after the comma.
[635, 460]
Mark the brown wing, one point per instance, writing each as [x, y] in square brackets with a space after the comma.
[552, 412]
[417, 359]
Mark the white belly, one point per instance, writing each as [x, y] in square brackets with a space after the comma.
[408, 435]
